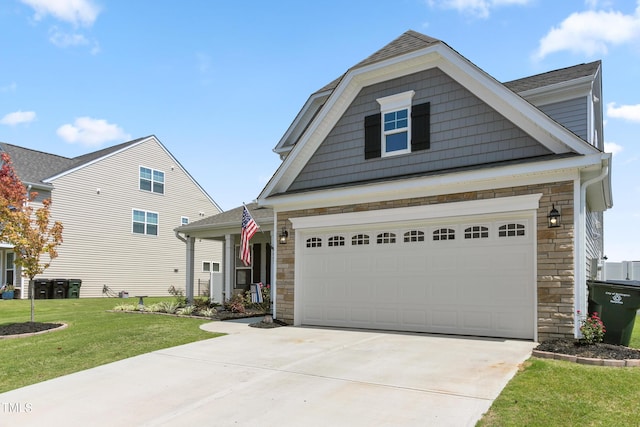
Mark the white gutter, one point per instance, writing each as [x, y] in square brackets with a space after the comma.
[581, 279]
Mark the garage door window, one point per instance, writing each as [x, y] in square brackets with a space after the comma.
[314, 242]
[336, 241]
[511, 230]
[414, 236]
[384, 238]
[444, 234]
[360, 239]
[476, 232]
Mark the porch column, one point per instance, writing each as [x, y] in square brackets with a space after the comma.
[191, 243]
[228, 260]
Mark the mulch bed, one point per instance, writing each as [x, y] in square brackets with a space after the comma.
[597, 351]
[26, 328]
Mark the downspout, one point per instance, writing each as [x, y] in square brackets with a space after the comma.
[581, 290]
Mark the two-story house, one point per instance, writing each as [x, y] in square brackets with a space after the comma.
[418, 193]
[119, 207]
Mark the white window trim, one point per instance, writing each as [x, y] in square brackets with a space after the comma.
[182, 218]
[389, 104]
[204, 270]
[145, 223]
[164, 182]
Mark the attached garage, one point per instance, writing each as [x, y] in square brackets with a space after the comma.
[421, 269]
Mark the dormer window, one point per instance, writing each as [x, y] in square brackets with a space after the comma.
[400, 127]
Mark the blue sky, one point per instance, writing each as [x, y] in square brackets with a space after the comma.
[219, 82]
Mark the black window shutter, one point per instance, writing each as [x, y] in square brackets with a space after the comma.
[372, 141]
[420, 129]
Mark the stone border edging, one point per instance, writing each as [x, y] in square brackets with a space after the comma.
[30, 334]
[629, 363]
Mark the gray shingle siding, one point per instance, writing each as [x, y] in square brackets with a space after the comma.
[572, 114]
[464, 132]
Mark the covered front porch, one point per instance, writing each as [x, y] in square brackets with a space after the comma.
[233, 276]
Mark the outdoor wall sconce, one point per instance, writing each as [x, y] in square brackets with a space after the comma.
[554, 217]
[283, 236]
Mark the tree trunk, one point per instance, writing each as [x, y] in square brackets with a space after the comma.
[32, 291]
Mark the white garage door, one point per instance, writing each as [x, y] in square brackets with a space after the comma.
[473, 278]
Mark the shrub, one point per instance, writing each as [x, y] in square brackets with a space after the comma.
[125, 307]
[186, 311]
[592, 329]
[168, 307]
[181, 300]
[153, 308]
[208, 312]
[201, 302]
[236, 304]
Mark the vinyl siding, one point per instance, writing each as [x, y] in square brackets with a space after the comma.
[464, 132]
[99, 245]
[594, 241]
[571, 114]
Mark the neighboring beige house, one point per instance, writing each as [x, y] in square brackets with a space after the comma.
[119, 207]
[418, 194]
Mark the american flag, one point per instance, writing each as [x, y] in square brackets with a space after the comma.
[249, 228]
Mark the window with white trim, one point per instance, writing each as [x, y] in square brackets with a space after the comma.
[151, 180]
[360, 239]
[314, 242]
[384, 238]
[476, 232]
[444, 234]
[511, 230]
[184, 220]
[414, 236]
[335, 241]
[145, 222]
[396, 123]
[208, 266]
[399, 128]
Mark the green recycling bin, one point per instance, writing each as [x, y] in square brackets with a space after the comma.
[74, 288]
[616, 302]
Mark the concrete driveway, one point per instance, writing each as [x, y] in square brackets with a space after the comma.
[282, 377]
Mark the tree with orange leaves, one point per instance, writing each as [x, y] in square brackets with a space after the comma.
[27, 229]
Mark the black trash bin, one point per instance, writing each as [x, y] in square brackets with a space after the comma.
[42, 288]
[60, 288]
[617, 303]
[74, 288]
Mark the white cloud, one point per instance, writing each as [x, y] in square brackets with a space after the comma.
[91, 132]
[626, 112]
[76, 12]
[478, 8]
[612, 147]
[590, 32]
[9, 88]
[18, 117]
[62, 39]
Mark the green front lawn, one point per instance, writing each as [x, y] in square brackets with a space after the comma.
[554, 393]
[93, 337]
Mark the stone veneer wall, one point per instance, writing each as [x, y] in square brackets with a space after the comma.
[555, 286]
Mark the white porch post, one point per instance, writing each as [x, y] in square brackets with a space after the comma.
[191, 243]
[228, 261]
